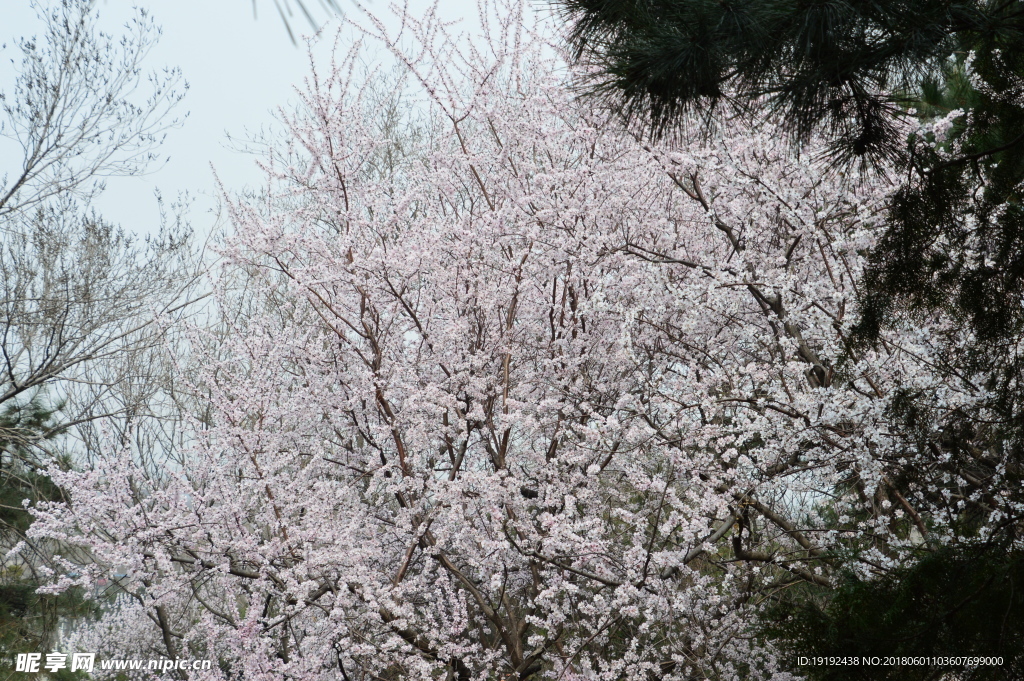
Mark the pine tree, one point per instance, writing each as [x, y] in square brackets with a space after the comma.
[855, 73]
[930, 95]
[28, 620]
[954, 601]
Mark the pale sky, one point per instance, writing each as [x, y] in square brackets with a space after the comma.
[239, 70]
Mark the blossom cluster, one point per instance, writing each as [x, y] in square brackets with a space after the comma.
[503, 391]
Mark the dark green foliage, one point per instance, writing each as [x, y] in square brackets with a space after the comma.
[27, 620]
[842, 68]
[959, 601]
[857, 74]
[955, 247]
[21, 423]
[24, 426]
[850, 72]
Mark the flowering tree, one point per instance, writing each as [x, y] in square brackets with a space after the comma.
[508, 393]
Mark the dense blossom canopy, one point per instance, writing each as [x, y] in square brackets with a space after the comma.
[504, 392]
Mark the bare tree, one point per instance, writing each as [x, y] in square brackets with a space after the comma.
[77, 289]
[78, 110]
[84, 304]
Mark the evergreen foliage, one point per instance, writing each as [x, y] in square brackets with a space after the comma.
[955, 601]
[23, 427]
[931, 94]
[28, 620]
[955, 245]
[842, 68]
[855, 73]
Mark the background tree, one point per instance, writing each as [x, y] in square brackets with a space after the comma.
[955, 598]
[78, 296]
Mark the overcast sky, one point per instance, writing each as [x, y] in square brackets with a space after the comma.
[239, 68]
